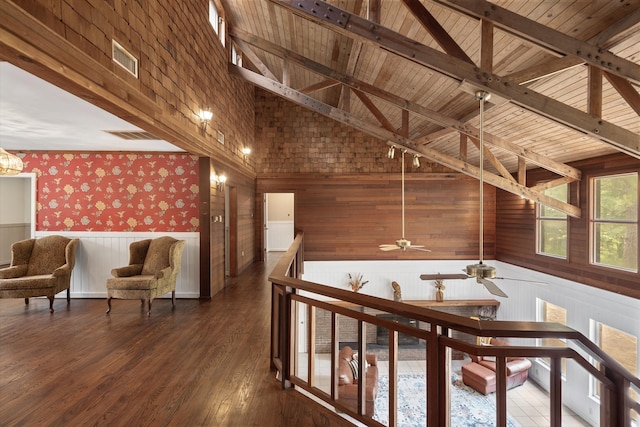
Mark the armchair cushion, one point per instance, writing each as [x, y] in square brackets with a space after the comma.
[46, 256]
[157, 255]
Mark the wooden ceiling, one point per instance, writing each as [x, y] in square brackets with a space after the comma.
[564, 75]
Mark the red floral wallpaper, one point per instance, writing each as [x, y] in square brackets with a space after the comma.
[115, 192]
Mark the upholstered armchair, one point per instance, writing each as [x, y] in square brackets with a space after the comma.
[152, 271]
[39, 267]
[348, 380]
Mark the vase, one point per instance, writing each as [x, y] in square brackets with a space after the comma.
[439, 296]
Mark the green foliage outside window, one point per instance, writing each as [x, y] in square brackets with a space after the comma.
[615, 221]
[552, 225]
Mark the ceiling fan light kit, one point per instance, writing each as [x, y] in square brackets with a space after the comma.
[402, 243]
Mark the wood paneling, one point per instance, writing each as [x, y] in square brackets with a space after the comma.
[516, 233]
[346, 216]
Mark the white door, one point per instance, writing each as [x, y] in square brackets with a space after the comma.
[279, 221]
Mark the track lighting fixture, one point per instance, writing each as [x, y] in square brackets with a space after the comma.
[392, 152]
[416, 162]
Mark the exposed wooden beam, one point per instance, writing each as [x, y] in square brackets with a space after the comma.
[433, 27]
[319, 86]
[374, 110]
[594, 91]
[255, 60]
[550, 184]
[431, 115]
[393, 138]
[346, 23]
[626, 90]
[546, 37]
[488, 154]
[522, 171]
[486, 45]
[463, 147]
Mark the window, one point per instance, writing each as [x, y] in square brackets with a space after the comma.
[614, 221]
[214, 17]
[621, 346]
[236, 57]
[548, 312]
[551, 225]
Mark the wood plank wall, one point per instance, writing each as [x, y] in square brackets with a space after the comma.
[346, 216]
[516, 234]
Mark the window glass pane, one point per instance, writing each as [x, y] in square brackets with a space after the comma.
[553, 313]
[213, 16]
[616, 245]
[622, 347]
[616, 197]
[553, 237]
[559, 193]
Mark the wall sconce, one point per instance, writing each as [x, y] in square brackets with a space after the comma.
[219, 181]
[205, 117]
[392, 152]
[246, 151]
[10, 164]
[416, 162]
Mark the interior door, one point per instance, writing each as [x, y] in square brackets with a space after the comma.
[279, 221]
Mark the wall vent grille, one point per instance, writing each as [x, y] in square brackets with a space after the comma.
[124, 58]
[133, 135]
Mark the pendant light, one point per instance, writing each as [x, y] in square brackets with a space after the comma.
[10, 164]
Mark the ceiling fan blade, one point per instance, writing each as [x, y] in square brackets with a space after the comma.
[443, 276]
[419, 248]
[521, 280]
[492, 287]
[388, 247]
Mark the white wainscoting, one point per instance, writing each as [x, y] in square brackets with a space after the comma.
[100, 252]
[280, 235]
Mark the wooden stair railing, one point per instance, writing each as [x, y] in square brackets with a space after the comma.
[616, 403]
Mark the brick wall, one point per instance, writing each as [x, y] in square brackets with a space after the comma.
[293, 139]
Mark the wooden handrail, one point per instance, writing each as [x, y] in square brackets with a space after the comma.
[286, 292]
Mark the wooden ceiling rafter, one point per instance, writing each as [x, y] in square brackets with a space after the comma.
[398, 140]
[346, 23]
[435, 117]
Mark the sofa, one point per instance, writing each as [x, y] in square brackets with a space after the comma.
[39, 267]
[480, 374]
[348, 380]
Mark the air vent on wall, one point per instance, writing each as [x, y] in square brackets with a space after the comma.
[133, 135]
[124, 58]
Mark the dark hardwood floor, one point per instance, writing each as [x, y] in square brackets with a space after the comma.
[204, 364]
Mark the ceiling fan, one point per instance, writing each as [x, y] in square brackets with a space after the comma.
[402, 243]
[480, 271]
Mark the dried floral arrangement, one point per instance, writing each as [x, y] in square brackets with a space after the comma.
[356, 282]
[439, 285]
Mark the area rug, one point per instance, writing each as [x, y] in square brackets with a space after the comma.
[468, 407]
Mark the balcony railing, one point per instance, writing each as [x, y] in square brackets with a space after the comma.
[292, 297]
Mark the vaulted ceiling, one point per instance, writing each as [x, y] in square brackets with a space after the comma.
[564, 76]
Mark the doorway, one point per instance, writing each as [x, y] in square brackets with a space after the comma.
[18, 218]
[278, 221]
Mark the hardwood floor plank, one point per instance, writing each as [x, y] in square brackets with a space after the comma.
[206, 363]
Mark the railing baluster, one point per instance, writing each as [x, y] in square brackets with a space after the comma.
[501, 391]
[555, 392]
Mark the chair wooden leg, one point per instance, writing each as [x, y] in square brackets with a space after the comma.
[26, 301]
[149, 312]
[51, 304]
[109, 304]
[68, 295]
[173, 299]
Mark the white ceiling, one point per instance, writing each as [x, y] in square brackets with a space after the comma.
[36, 115]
